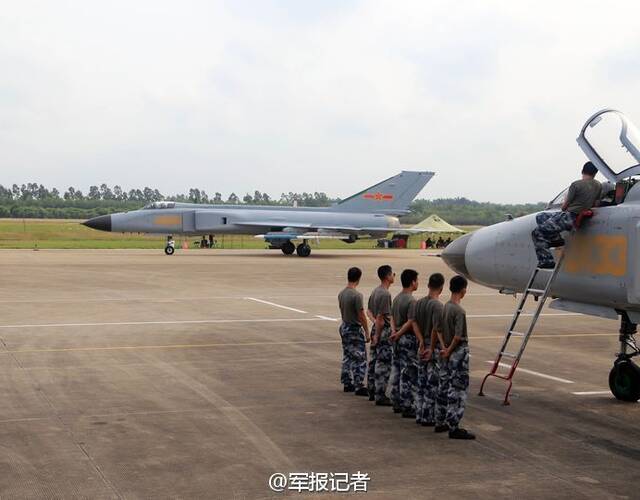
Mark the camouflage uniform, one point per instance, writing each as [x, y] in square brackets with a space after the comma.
[354, 356]
[408, 349]
[394, 375]
[371, 369]
[458, 385]
[550, 227]
[383, 363]
[427, 391]
[442, 391]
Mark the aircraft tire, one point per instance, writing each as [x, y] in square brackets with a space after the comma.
[303, 250]
[624, 381]
[169, 250]
[288, 248]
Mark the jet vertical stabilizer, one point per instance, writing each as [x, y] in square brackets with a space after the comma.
[392, 196]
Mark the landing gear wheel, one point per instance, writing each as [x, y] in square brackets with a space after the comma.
[169, 250]
[303, 250]
[288, 248]
[624, 381]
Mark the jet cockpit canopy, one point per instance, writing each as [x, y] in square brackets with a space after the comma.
[160, 204]
[612, 143]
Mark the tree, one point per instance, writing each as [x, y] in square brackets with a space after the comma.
[94, 193]
[233, 199]
[217, 198]
[248, 198]
[105, 192]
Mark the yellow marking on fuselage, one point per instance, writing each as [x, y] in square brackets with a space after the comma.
[600, 254]
[168, 220]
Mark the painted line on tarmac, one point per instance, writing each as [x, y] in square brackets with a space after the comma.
[177, 322]
[510, 315]
[537, 374]
[550, 336]
[147, 299]
[326, 318]
[591, 393]
[170, 346]
[276, 305]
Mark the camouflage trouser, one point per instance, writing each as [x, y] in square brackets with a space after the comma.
[394, 376]
[458, 368]
[383, 363]
[354, 356]
[442, 392]
[550, 226]
[408, 347]
[428, 371]
[371, 370]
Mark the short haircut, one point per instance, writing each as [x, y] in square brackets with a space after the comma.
[408, 276]
[589, 169]
[436, 281]
[354, 274]
[384, 271]
[458, 283]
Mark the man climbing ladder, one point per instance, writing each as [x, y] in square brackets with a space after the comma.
[583, 195]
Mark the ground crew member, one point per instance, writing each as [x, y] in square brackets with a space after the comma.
[354, 332]
[404, 369]
[380, 310]
[456, 357]
[428, 322]
[583, 194]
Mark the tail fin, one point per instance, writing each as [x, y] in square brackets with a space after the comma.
[392, 196]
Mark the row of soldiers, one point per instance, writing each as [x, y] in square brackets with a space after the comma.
[418, 349]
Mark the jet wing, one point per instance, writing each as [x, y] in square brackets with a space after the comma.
[297, 230]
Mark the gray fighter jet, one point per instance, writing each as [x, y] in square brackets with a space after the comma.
[370, 213]
[600, 273]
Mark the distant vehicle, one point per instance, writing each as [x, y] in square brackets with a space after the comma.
[371, 213]
[600, 274]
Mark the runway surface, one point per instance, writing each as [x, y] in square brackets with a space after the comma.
[130, 374]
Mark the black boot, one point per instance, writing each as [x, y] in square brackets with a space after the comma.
[362, 391]
[460, 433]
[348, 388]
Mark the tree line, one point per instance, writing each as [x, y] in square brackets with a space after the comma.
[33, 200]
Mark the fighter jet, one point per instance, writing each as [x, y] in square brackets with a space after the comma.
[600, 273]
[372, 212]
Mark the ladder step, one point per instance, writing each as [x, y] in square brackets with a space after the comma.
[517, 334]
[546, 269]
[508, 354]
[535, 291]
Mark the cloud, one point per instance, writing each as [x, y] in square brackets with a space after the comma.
[316, 96]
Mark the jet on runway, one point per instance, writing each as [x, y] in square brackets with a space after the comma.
[372, 212]
[600, 273]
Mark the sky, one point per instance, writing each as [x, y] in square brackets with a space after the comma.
[290, 95]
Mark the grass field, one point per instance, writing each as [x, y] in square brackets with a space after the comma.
[54, 233]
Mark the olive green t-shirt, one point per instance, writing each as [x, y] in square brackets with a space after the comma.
[350, 302]
[428, 316]
[380, 303]
[403, 308]
[454, 323]
[583, 195]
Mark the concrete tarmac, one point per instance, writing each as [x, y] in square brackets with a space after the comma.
[131, 374]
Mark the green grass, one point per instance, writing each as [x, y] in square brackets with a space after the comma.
[70, 234]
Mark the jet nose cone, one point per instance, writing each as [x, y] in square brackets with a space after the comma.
[101, 223]
[454, 255]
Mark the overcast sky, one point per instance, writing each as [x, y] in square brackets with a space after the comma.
[325, 95]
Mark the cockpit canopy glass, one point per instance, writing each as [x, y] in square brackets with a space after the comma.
[159, 205]
[612, 143]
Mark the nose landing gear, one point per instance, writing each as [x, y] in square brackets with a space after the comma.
[624, 378]
[171, 246]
